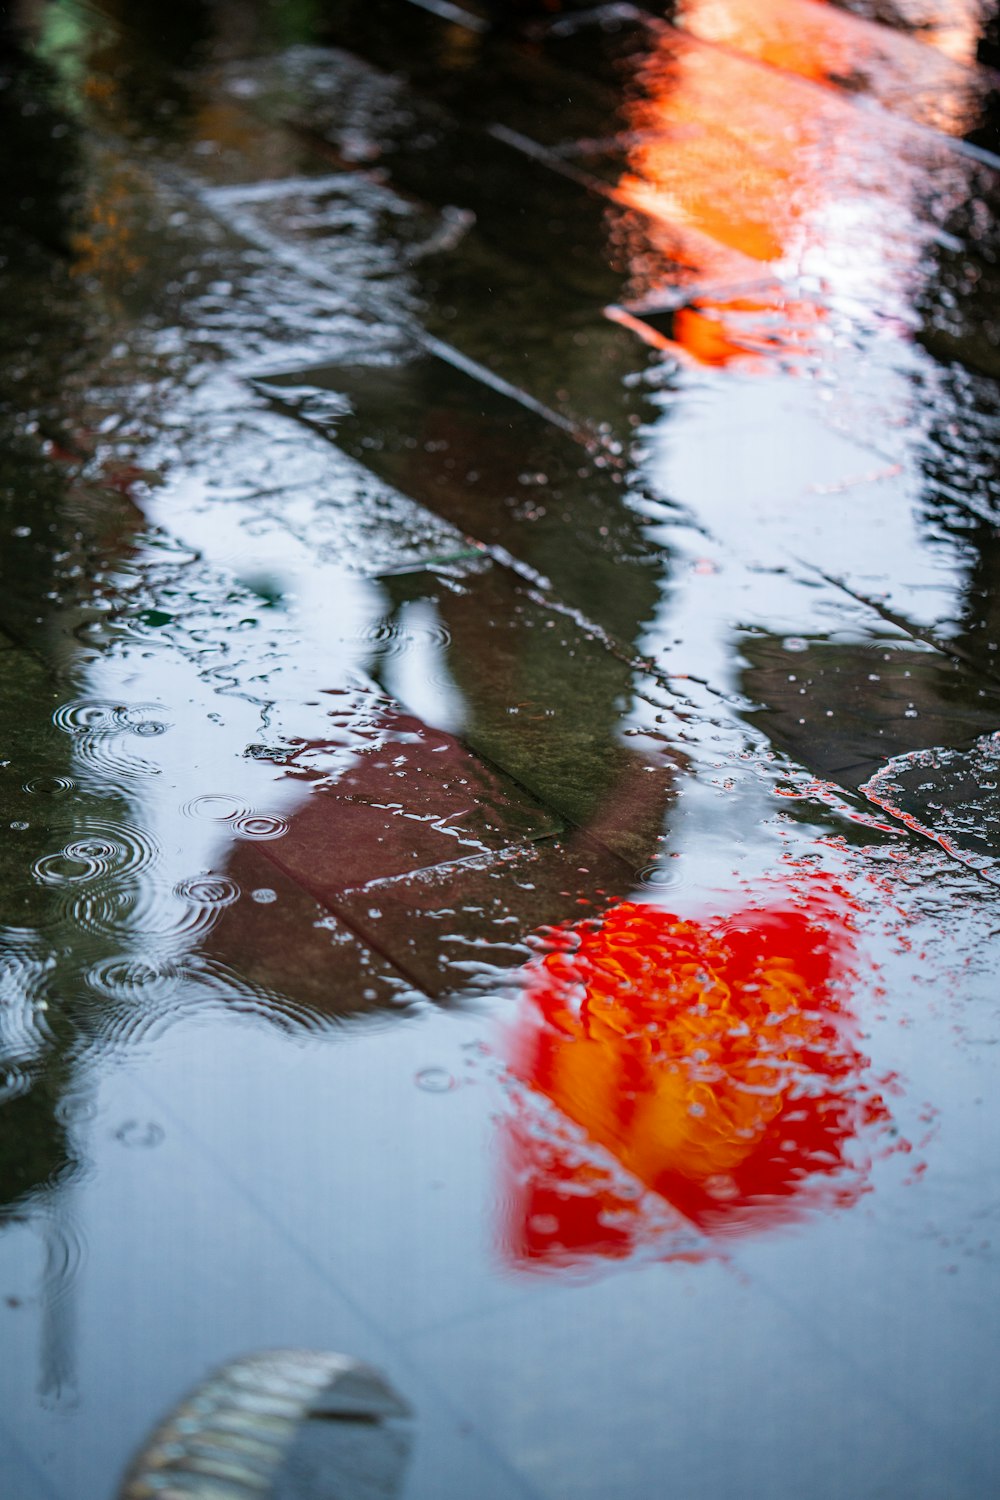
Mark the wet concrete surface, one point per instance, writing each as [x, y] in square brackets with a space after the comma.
[498, 749]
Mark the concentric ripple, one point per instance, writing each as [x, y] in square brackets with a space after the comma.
[99, 726]
[260, 826]
[151, 910]
[210, 891]
[105, 909]
[246, 821]
[103, 849]
[104, 716]
[388, 637]
[133, 979]
[661, 877]
[217, 807]
[50, 786]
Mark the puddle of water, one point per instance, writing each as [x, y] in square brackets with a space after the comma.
[448, 824]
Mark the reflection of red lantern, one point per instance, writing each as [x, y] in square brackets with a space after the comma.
[713, 1060]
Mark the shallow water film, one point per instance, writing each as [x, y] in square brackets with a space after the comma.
[500, 747]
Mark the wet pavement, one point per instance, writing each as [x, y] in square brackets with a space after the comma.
[500, 734]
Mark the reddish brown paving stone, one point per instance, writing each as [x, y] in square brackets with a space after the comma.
[415, 798]
[294, 951]
[464, 926]
[437, 930]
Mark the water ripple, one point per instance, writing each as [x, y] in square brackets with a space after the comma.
[208, 891]
[151, 910]
[103, 716]
[50, 786]
[99, 727]
[389, 637]
[25, 1032]
[15, 1079]
[260, 826]
[217, 807]
[133, 979]
[661, 877]
[102, 849]
[65, 1252]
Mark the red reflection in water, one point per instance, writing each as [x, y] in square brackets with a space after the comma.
[715, 1060]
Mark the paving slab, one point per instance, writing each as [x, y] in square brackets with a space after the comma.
[542, 694]
[493, 468]
[879, 701]
[462, 928]
[948, 794]
[300, 959]
[522, 208]
[475, 70]
[679, 1363]
[412, 799]
[554, 343]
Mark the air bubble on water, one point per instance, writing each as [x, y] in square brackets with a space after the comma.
[721, 1187]
[545, 1224]
[435, 1080]
[139, 1135]
[263, 895]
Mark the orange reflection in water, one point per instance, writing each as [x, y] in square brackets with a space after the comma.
[715, 1060]
[721, 176]
[821, 42]
[742, 176]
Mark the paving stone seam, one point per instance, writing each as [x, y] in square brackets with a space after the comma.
[338, 906]
[921, 633]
